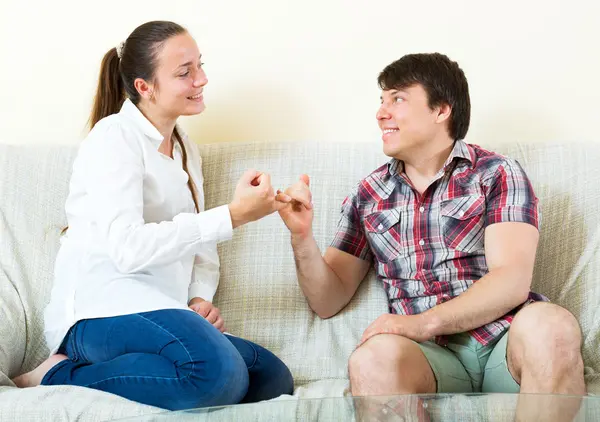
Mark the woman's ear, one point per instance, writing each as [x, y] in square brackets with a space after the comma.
[145, 89]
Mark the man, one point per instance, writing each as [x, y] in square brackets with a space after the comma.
[452, 230]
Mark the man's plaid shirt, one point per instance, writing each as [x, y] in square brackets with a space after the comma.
[428, 249]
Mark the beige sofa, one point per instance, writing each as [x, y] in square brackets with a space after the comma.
[258, 294]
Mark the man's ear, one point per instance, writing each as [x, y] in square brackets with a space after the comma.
[443, 113]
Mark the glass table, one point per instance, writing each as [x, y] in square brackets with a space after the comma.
[421, 408]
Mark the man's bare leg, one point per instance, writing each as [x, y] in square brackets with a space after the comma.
[388, 365]
[544, 356]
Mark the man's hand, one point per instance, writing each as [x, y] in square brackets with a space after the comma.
[413, 327]
[297, 214]
[208, 311]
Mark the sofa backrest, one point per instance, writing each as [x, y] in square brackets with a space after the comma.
[258, 295]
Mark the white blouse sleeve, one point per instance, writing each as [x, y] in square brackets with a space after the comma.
[114, 172]
[205, 274]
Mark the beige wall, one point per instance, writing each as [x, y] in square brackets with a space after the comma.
[306, 70]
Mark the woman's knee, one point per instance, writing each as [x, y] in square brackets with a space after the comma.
[232, 375]
[219, 378]
[278, 378]
[269, 376]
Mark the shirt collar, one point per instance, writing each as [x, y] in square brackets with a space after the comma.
[131, 112]
[461, 150]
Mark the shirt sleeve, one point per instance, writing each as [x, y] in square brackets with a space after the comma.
[205, 272]
[114, 173]
[510, 196]
[350, 236]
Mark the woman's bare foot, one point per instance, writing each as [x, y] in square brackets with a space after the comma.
[34, 378]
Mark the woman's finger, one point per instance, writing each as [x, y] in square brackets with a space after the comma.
[213, 315]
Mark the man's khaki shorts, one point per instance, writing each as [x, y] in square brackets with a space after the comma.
[465, 366]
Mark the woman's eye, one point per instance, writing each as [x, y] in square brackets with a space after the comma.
[398, 99]
[183, 75]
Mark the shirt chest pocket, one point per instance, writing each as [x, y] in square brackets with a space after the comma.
[384, 232]
[463, 223]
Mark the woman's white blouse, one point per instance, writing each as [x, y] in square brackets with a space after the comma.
[134, 243]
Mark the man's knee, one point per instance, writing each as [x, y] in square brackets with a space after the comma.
[545, 332]
[379, 352]
[397, 360]
[547, 323]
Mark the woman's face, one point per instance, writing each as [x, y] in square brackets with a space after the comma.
[179, 79]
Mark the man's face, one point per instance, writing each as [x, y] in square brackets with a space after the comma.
[407, 122]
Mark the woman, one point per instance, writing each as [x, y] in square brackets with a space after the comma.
[131, 310]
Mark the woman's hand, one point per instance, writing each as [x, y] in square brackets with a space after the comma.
[208, 311]
[254, 198]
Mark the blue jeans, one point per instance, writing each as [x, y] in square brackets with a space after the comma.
[173, 359]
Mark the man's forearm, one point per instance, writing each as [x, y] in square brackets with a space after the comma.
[485, 301]
[319, 283]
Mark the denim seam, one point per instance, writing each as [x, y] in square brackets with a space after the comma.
[72, 340]
[255, 357]
[178, 341]
[130, 377]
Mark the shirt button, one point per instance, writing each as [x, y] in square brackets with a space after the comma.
[421, 242]
[379, 227]
[421, 210]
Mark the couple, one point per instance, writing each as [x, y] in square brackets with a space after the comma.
[451, 228]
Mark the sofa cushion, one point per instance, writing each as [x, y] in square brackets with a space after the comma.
[67, 403]
[12, 329]
[33, 186]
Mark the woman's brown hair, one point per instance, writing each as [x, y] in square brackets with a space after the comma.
[138, 58]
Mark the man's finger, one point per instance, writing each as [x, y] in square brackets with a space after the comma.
[368, 333]
[305, 179]
[364, 337]
[302, 196]
[367, 336]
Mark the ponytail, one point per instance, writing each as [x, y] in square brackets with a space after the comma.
[184, 159]
[110, 93]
